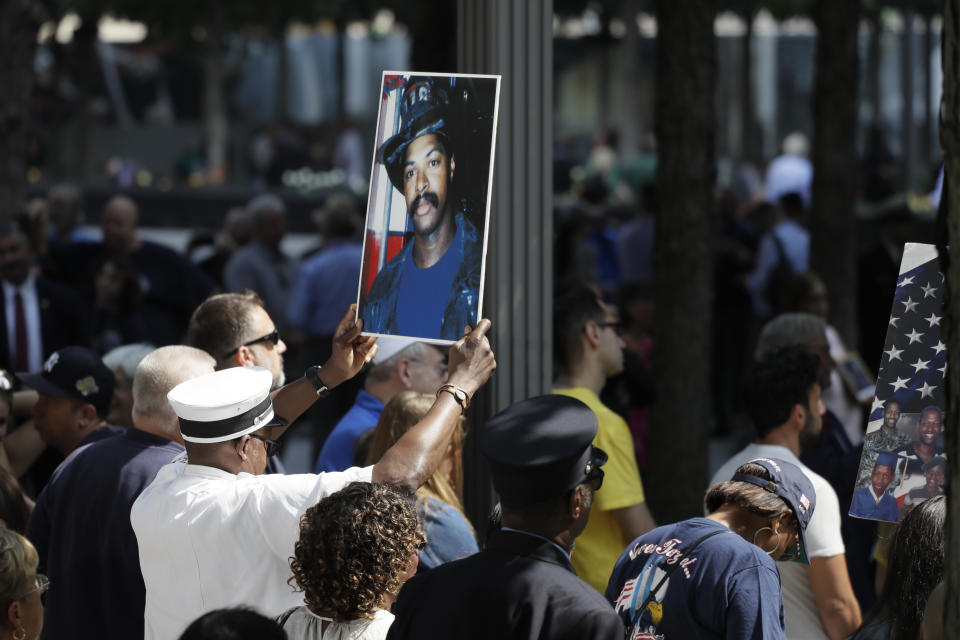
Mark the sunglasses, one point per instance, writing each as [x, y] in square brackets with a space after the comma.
[793, 552]
[273, 337]
[593, 472]
[273, 447]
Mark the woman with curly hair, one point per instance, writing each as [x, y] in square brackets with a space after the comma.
[356, 549]
[915, 568]
[449, 534]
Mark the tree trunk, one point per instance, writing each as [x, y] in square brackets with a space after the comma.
[631, 133]
[748, 148]
[683, 257]
[832, 224]
[929, 156]
[908, 128]
[949, 226]
[19, 20]
[872, 89]
[215, 119]
[84, 38]
[283, 78]
[426, 19]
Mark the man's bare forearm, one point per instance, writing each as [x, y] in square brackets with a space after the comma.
[838, 607]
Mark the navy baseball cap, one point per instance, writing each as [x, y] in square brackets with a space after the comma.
[540, 448]
[74, 372]
[791, 484]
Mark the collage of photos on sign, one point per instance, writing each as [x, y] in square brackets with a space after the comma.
[903, 460]
[428, 213]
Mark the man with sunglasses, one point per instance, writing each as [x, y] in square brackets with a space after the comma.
[785, 407]
[522, 584]
[217, 532]
[587, 350]
[237, 331]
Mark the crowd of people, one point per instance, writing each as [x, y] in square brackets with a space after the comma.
[146, 395]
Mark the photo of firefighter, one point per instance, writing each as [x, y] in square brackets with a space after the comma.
[427, 216]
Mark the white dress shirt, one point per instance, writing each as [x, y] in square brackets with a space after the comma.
[31, 311]
[209, 539]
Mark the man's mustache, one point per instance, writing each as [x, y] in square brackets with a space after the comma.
[429, 196]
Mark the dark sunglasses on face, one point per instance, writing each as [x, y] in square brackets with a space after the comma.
[273, 337]
[593, 472]
[793, 552]
[272, 446]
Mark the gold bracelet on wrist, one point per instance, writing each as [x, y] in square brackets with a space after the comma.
[461, 396]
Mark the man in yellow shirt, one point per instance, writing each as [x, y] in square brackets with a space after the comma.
[587, 350]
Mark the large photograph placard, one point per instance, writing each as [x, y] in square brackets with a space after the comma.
[428, 210]
[903, 460]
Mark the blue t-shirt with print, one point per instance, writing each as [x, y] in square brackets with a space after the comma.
[727, 588]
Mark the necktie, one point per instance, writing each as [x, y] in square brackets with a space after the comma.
[22, 361]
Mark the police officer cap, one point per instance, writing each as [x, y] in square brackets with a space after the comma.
[539, 448]
[223, 405]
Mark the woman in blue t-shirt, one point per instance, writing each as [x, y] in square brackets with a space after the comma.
[688, 580]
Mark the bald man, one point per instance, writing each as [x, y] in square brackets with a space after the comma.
[81, 524]
[170, 285]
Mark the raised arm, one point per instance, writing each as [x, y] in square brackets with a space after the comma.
[417, 454]
[350, 352]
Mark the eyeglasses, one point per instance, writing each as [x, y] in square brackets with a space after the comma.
[616, 326]
[41, 583]
[594, 474]
[273, 447]
[441, 366]
[273, 337]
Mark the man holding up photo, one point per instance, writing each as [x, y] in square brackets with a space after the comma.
[431, 287]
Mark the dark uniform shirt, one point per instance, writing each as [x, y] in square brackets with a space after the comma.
[81, 528]
[520, 587]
